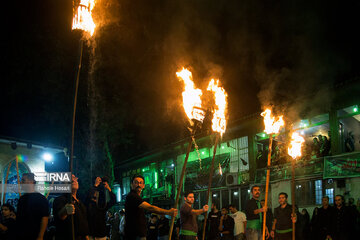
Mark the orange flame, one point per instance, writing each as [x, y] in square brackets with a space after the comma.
[82, 17]
[219, 120]
[191, 96]
[272, 126]
[294, 149]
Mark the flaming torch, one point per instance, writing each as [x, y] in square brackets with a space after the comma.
[271, 127]
[82, 20]
[294, 151]
[195, 114]
[219, 127]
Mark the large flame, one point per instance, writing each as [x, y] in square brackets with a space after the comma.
[82, 16]
[191, 96]
[272, 126]
[294, 150]
[219, 120]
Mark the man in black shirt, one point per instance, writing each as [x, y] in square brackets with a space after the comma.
[226, 226]
[213, 223]
[62, 211]
[254, 215]
[32, 211]
[100, 198]
[8, 224]
[343, 221]
[135, 206]
[188, 215]
[282, 225]
[163, 227]
[152, 226]
[324, 217]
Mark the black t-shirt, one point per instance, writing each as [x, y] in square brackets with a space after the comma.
[63, 227]
[32, 207]
[135, 221]
[213, 222]
[283, 217]
[152, 233]
[228, 225]
[188, 219]
[251, 206]
[163, 226]
[97, 208]
[9, 234]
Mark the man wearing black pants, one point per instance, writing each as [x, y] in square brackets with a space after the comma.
[282, 225]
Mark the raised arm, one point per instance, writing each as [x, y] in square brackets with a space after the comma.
[151, 208]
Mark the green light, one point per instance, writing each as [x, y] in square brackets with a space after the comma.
[143, 170]
[355, 109]
[156, 179]
[222, 147]
[202, 152]
[161, 170]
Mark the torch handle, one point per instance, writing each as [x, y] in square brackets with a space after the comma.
[180, 186]
[210, 182]
[293, 195]
[267, 184]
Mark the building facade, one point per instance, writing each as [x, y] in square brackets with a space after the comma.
[330, 162]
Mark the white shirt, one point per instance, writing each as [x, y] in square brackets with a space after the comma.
[239, 219]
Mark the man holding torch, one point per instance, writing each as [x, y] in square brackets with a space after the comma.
[188, 215]
[135, 206]
[254, 215]
[283, 219]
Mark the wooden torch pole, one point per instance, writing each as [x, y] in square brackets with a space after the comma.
[210, 182]
[267, 184]
[293, 195]
[180, 185]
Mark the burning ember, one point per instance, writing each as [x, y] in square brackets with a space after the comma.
[82, 16]
[218, 121]
[294, 149]
[191, 96]
[272, 126]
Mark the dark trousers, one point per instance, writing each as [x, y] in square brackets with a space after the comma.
[185, 237]
[283, 236]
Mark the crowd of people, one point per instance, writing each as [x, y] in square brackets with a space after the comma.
[68, 217]
[320, 146]
[91, 219]
[338, 222]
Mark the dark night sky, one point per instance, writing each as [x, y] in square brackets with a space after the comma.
[262, 51]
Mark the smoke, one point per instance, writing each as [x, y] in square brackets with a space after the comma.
[275, 53]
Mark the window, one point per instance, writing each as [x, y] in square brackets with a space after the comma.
[330, 193]
[318, 191]
[225, 198]
[239, 154]
[311, 192]
[349, 127]
[235, 194]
